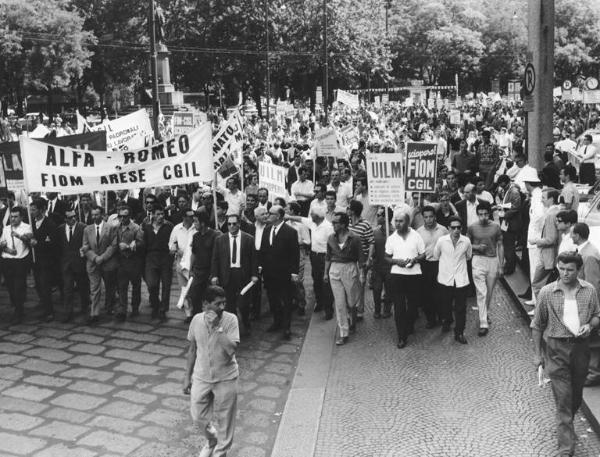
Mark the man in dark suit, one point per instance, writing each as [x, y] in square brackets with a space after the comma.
[72, 264]
[100, 249]
[234, 265]
[466, 208]
[550, 172]
[45, 249]
[137, 210]
[293, 172]
[279, 257]
[56, 208]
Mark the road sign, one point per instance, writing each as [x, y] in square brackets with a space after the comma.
[567, 84]
[529, 79]
[591, 83]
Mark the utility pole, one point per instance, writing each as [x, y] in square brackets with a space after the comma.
[325, 63]
[268, 63]
[154, 71]
[541, 56]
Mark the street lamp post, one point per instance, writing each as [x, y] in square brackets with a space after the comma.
[268, 63]
[325, 63]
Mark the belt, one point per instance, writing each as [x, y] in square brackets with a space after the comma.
[572, 339]
[317, 253]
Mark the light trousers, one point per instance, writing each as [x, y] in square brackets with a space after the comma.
[345, 285]
[485, 275]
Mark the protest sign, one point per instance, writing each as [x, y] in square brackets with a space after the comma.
[421, 166]
[349, 134]
[385, 177]
[385, 99]
[319, 96]
[183, 122]
[11, 154]
[576, 94]
[455, 117]
[557, 92]
[348, 99]
[272, 177]
[327, 143]
[180, 160]
[132, 131]
[591, 97]
[229, 140]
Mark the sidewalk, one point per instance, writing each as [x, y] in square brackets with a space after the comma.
[433, 398]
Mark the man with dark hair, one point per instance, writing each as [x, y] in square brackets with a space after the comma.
[361, 194]
[589, 253]
[72, 262]
[330, 201]
[364, 231]
[130, 243]
[211, 375]
[45, 249]
[550, 172]
[569, 196]
[566, 313]
[149, 201]
[233, 265]
[222, 211]
[14, 244]
[487, 157]
[380, 267]
[510, 221]
[263, 198]
[158, 271]
[100, 249]
[431, 232]
[587, 154]
[453, 251]
[201, 248]
[319, 200]
[302, 191]
[488, 261]
[180, 239]
[294, 219]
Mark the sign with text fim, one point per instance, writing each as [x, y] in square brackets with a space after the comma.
[180, 160]
[421, 166]
[385, 177]
[272, 177]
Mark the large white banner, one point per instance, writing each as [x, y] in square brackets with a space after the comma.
[348, 99]
[386, 179]
[229, 140]
[272, 177]
[180, 160]
[133, 131]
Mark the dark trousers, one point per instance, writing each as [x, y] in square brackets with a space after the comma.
[323, 294]
[43, 275]
[304, 207]
[567, 364]
[509, 241]
[111, 285]
[199, 285]
[130, 271]
[405, 293]
[279, 292]
[381, 279]
[15, 277]
[72, 275]
[159, 272]
[458, 295]
[430, 300]
[236, 301]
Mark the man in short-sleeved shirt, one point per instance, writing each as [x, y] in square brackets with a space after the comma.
[212, 372]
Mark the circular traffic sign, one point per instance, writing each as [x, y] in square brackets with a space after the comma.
[567, 84]
[591, 83]
[529, 79]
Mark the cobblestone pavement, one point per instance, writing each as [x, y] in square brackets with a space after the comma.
[67, 390]
[437, 397]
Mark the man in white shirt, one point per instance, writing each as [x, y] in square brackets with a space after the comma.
[453, 252]
[293, 209]
[14, 244]
[302, 191]
[320, 230]
[343, 192]
[404, 250]
[180, 238]
[319, 200]
[234, 197]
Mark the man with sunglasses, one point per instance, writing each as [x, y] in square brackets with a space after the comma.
[453, 251]
[180, 238]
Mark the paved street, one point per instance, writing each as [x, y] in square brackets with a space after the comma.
[67, 390]
[439, 398]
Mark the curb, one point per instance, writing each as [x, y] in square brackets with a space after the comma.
[299, 425]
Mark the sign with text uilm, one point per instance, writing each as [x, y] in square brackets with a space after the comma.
[180, 160]
[385, 177]
[421, 166]
[272, 178]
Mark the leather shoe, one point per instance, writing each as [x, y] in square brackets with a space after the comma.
[445, 328]
[162, 316]
[48, 317]
[273, 328]
[385, 315]
[68, 318]
[401, 344]
[16, 319]
[120, 317]
[92, 320]
[482, 332]
[328, 316]
[287, 335]
[341, 340]
[461, 339]
[318, 309]
[377, 315]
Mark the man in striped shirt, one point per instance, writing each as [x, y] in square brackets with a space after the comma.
[364, 231]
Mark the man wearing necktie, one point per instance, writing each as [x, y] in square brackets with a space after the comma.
[72, 264]
[279, 257]
[587, 167]
[233, 266]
